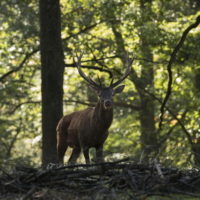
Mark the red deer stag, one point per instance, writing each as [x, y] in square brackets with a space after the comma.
[82, 130]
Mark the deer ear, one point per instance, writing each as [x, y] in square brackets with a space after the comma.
[119, 89]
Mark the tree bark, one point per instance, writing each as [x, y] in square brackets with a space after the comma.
[148, 136]
[196, 152]
[52, 61]
[147, 114]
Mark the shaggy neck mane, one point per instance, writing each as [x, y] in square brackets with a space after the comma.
[103, 116]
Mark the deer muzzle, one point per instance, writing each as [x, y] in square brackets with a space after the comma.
[108, 104]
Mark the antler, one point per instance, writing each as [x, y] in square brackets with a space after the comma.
[127, 72]
[82, 74]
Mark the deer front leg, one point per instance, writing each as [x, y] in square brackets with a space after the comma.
[74, 156]
[99, 154]
[86, 155]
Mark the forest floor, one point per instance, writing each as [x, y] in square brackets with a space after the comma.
[121, 179]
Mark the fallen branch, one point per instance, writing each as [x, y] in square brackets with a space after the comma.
[122, 177]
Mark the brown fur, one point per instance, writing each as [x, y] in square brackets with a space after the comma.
[83, 130]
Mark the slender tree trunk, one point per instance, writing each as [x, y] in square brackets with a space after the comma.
[196, 152]
[52, 61]
[196, 145]
[148, 136]
[147, 114]
[197, 81]
[146, 80]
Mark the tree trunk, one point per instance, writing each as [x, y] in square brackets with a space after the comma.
[196, 152]
[149, 143]
[148, 131]
[52, 61]
[148, 136]
[197, 81]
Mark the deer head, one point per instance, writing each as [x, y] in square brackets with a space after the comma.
[105, 94]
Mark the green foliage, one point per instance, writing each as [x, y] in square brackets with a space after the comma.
[88, 25]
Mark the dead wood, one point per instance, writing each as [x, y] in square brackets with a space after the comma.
[122, 176]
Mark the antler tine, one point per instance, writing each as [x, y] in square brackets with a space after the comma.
[99, 81]
[82, 74]
[127, 72]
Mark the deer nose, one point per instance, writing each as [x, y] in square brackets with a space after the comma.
[107, 104]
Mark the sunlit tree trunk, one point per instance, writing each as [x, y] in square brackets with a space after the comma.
[52, 61]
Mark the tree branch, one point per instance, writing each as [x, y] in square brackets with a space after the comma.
[127, 105]
[169, 66]
[14, 139]
[23, 103]
[90, 67]
[28, 55]
[174, 116]
[168, 134]
[21, 65]
[91, 104]
[81, 31]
